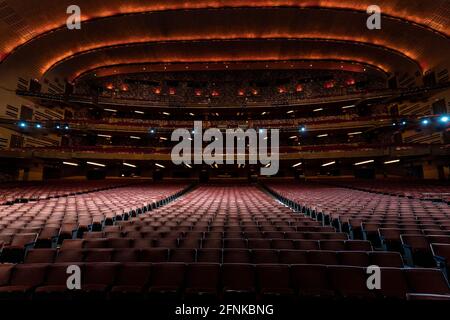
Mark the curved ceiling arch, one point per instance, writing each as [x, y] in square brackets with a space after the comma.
[232, 51]
[49, 15]
[182, 25]
[98, 50]
[145, 67]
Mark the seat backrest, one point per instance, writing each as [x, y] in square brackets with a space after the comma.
[429, 281]
[203, 276]
[5, 273]
[238, 277]
[28, 275]
[24, 239]
[130, 274]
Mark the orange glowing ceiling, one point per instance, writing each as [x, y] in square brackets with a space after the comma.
[413, 39]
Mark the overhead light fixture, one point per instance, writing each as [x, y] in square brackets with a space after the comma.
[364, 162]
[159, 165]
[191, 114]
[111, 110]
[70, 164]
[163, 138]
[96, 164]
[444, 119]
[166, 113]
[317, 110]
[297, 165]
[134, 137]
[392, 161]
[104, 135]
[129, 165]
[322, 135]
[354, 133]
[328, 164]
[348, 107]
[139, 112]
[290, 111]
[293, 137]
[264, 113]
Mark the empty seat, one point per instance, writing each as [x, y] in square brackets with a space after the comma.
[236, 256]
[292, 257]
[332, 245]
[386, 259]
[202, 279]
[311, 280]
[441, 253]
[238, 280]
[209, 255]
[97, 279]
[428, 281]
[264, 256]
[358, 245]
[70, 244]
[23, 280]
[73, 256]
[131, 279]
[125, 255]
[235, 243]
[182, 255]
[322, 257]
[98, 255]
[283, 244]
[307, 245]
[393, 284]
[167, 278]
[418, 250]
[95, 243]
[259, 244]
[154, 255]
[353, 258]
[350, 282]
[40, 256]
[273, 280]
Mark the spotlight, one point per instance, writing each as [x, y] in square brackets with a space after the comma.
[58, 127]
[22, 124]
[66, 127]
[425, 122]
[152, 131]
[403, 123]
[302, 129]
[38, 126]
[444, 119]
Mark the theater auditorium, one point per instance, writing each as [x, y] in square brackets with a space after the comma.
[247, 154]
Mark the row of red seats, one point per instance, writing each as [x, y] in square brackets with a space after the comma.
[255, 256]
[252, 243]
[215, 281]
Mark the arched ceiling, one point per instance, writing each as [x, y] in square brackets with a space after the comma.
[34, 41]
